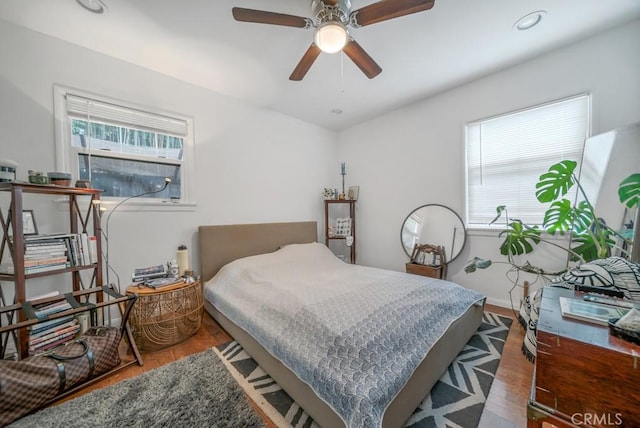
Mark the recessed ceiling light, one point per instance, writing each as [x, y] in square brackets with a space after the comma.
[336, 110]
[530, 20]
[93, 6]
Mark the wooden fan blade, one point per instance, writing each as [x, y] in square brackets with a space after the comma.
[264, 17]
[305, 63]
[388, 9]
[362, 59]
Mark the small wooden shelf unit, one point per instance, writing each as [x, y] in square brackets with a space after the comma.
[85, 294]
[328, 203]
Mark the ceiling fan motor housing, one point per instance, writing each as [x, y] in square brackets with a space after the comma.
[324, 12]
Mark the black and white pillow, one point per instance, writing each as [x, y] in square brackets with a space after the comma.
[610, 272]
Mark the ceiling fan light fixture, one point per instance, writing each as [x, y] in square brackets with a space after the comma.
[331, 36]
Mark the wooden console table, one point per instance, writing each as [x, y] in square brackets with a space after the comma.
[584, 376]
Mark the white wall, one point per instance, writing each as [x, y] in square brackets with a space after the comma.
[415, 155]
[255, 165]
[252, 164]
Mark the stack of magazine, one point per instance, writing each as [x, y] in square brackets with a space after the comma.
[49, 334]
[162, 282]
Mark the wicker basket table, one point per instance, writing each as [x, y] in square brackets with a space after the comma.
[166, 316]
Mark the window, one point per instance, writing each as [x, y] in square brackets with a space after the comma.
[123, 149]
[507, 154]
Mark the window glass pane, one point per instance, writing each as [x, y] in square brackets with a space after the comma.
[506, 156]
[120, 139]
[124, 178]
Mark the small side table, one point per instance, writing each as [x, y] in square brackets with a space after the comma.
[439, 272]
[165, 316]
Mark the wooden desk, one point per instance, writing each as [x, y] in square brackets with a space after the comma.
[584, 376]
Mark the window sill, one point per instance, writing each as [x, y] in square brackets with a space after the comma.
[133, 205]
[495, 231]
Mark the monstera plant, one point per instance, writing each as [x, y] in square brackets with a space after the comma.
[590, 237]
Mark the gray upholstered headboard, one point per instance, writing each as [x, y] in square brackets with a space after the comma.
[220, 245]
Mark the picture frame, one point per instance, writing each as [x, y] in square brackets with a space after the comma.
[343, 227]
[352, 194]
[29, 226]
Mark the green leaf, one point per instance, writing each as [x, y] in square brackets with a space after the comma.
[629, 190]
[556, 182]
[559, 217]
[588, 249]
[519, 239]
[499, 210]
[476, 263]
[584, 217]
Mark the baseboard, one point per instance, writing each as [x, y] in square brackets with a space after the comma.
[503, 303]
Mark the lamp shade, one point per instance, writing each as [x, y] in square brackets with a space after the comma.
[331, 36]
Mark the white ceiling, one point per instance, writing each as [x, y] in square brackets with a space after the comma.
[421, 54]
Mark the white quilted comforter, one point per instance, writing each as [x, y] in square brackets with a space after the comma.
[354, 334]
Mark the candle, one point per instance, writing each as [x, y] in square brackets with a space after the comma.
[343, 168]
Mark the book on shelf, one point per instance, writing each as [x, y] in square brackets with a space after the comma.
[53, 308]
[47, 255]
[55, 328]
[47, 237]
[84, 249]
[76, 246]
[48, 324]
[56, 341]
[46, 268]
[589, 311]
[36, 251]
[93, 249]
[9, 269]
[45, 295]
[47, 261]
[44, 338]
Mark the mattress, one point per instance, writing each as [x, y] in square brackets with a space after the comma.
[354, 346]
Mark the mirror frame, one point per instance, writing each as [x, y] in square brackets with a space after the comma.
[634, 129]
[464, 229]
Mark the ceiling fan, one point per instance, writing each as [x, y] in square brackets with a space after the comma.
[330, 20]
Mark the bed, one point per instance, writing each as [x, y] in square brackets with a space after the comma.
[286, 255]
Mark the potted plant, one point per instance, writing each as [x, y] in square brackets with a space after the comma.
[590, 237]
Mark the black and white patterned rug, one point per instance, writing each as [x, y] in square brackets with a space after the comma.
[457, 399]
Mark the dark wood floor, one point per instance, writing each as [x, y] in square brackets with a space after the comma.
[505, 407]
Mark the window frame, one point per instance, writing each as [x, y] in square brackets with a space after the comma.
[500, 225]
[67, 155]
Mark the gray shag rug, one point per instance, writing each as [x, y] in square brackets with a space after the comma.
[196, 391]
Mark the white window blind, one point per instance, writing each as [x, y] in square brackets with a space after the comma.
[507, 154]
[124, 149]
[81, 107]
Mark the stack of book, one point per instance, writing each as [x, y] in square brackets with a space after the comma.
[44, 253]
[49, 334]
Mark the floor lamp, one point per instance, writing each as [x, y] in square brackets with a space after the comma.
[167, 180]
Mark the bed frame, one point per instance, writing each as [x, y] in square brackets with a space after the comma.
[220, 245]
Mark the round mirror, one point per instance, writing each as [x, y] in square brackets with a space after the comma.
[437, 225]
